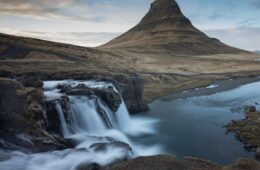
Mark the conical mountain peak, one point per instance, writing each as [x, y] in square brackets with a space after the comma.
[165, 27]
[164, 10]
[165, 4]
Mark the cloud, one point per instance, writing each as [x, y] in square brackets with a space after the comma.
[247, 38]
[255, 3]
[44, 9]
[87, 39]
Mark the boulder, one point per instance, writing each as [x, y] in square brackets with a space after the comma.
[188, 163]
[131, 88]
[165, 162]
[88, 166]
[32, 82]
[64, 88]
[23, 120]
[110, 97]
[250, 109]
[80, 92]
[244, 164]
[257, 154]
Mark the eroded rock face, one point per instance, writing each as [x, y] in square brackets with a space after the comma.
[131, 88]
[250, 109]
[32, 82]
[111, 98]
[23, 119]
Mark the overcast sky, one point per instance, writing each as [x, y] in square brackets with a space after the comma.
[93, 22]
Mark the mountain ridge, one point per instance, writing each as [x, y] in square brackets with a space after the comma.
[165, 27]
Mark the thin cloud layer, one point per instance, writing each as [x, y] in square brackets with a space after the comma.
[88, 39]
[44, 9]
[241, 37]
[98, 21]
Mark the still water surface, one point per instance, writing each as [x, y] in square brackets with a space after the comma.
[194, 126]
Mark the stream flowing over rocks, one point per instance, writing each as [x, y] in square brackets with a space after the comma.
[67, 125]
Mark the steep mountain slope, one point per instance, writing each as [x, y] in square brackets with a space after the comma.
[164, 27]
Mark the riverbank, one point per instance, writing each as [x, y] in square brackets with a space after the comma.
[248, 131]
[170, 163]
[173, 85]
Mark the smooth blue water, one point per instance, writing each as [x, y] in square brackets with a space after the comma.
[195, 126]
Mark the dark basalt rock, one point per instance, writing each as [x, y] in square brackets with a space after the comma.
[165, 162]
[257, 154]
[244, 164]
[250, 109]
[54, 125]
[32, 82]
[110, 97]
[86, 166]
[131, 88]
[188, 163]
[64, 88]
[80, 92]
[23, 119]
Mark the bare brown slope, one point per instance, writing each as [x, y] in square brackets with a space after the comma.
[20, 55]
[165, 28]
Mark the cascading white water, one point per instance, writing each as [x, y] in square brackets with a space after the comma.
[64, 127]
[123, 117]
[91, 123]
[85, 116]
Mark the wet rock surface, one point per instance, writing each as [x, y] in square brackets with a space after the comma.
[92, 166]
[130, 87]
[107, 95]
[132, 92]
[188, 163]
[23, 119]
[248, 129]
[250, 109]
[257, 155]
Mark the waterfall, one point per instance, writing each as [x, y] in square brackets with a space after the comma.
[123, 117]
[64, 127]
[85, 115]
[89, 115]
[99, 133]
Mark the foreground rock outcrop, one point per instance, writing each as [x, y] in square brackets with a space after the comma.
[23, 119]
[163, 162]
[248, 130]
[131, 88]
[30, 123]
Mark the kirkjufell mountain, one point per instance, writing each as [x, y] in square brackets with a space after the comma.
[64, 106]
[165, 27]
